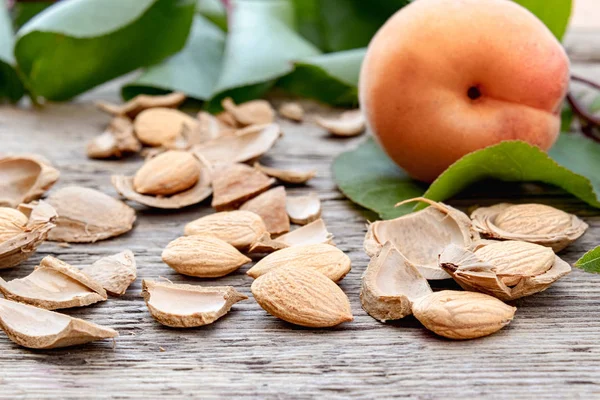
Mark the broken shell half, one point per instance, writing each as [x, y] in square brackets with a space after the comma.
[36, 328]
[87, 215]
[167, 174]
[462, 315]
[117, 140]
[507, 270]
[236, 183]
[390, 285]
[24, 178]
[291, 111]
[186, 306]
[350, 123]
[286, 175]
[12, 223]
[203, 256]
[124, 185]
[53, 285]
[535, 223]
[115, 273]
[163, 126]
[313, 233]
[253, 112]
[245, 145]
[238, 228]
[271, 207]
[227, 119]
[327, 259]
[142, 102]
[14, 249]
[209, 128]
[422, 235]
[303, 297]
[303, 209]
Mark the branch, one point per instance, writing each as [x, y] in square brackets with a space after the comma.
[589, 121]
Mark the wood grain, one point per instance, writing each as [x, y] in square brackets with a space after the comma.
[551, 350]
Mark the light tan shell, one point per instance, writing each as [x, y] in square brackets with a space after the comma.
[167, 174]
[271, 207]
[186, 306]
[36, 328]
[227, 119]
[210, 127]
[163, 126]
[303, 297]
[116, 141]
[327, 259]
[87, 215]
[535, 223]
[422, 235]
[245, 145]
[203, 256]
[12, 223]
[115, 273]
[285, 175]
[253, 112]
[528, 268]
[24, 178]
[291, 111]
[54, 285]
[462, 315]
[142, 102]
[40, 217]
[194, 195]
[313, 233]
[236, 183]
[349, 123]
[390, 285]
[303, 209]
[238, 228]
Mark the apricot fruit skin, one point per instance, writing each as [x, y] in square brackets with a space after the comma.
[443, 78]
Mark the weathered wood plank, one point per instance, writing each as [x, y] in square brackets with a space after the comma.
[550, 350]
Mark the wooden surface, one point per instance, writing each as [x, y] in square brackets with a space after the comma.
[551, 350]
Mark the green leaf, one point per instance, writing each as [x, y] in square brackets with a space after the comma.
[193, 71]
[516, 161]
[214, 10]
[331, 78]
[595, 105]
[336, 25]
[368, 177]
[556, 17]
[590, 261]
[582, 156]
[76, 45]
[566, 118]
[11, 88]
[22, 12]
[260, 48]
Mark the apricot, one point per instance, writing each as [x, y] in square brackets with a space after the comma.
[443, 78]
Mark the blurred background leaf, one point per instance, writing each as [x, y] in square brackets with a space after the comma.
[331, 78]
[555, 14]
[214, 10]
[261, 45]
[335, 25]
[23, 11]
[194, 70]
[76, 45]
[11, 88]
